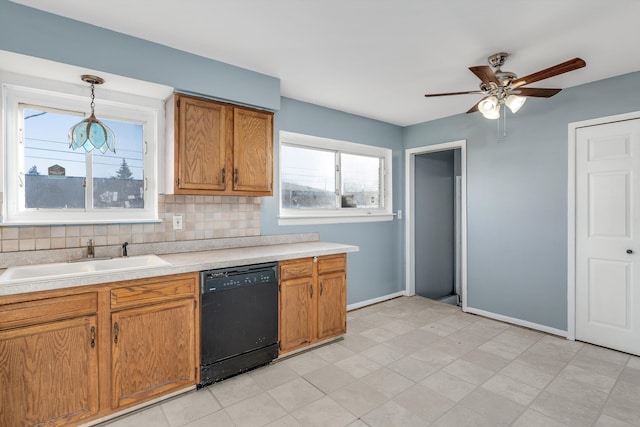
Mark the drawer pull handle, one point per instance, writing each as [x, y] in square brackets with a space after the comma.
[116, 330]
[311, 290]
[321, 288]
[93, 336]
[235, 176]
[223, 175]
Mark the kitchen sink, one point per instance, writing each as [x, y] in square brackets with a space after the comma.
[73, 269]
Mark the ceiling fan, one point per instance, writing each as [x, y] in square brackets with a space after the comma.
[505, 88]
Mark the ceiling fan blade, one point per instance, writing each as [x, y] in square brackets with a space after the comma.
[485, 73]
[565, 67]
[428, 95]
[536, 92]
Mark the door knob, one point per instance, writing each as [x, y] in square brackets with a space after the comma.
[629, 251]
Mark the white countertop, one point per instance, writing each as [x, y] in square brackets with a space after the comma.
[189, 262]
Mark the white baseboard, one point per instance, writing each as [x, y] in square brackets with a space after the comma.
[375, 300]
[518, 322]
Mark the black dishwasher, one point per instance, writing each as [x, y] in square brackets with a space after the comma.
[239, 320]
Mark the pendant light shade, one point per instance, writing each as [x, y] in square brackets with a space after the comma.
[92, 133]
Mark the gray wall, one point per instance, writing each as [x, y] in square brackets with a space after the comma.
[517, 196]
[434, 224]
[377, 269]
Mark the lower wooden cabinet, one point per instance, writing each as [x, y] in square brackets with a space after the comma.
[49, 373]
[70, 356]
[313, 300]
[153, 351]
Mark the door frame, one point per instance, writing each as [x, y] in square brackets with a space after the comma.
[410, 155]
[571, 211]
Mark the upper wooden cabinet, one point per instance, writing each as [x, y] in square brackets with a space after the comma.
[221, 149]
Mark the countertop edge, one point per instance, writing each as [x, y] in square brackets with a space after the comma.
[188, 262]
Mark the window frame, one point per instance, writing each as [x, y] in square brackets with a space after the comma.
[338, 214]
[64, 97]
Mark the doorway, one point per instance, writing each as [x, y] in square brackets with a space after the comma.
[436, 222]
[605, 227]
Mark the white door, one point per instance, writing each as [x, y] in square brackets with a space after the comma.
[607, 239]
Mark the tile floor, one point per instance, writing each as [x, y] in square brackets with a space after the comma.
[416, 362]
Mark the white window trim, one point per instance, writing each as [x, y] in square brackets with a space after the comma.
[18, 89]
[338, 215]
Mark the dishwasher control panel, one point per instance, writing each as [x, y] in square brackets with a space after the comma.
[231, 278]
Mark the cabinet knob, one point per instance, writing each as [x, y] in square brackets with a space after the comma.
[116, 330]
[629, 251]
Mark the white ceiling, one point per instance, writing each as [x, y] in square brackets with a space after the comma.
[377, 58]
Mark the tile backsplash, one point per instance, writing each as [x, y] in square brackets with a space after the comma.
[203, 217]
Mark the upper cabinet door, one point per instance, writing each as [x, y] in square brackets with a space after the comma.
[253, 151]
[200, 146]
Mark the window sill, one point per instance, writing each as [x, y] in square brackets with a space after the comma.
[334, 219]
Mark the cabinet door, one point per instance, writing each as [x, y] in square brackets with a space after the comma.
[200, 145]
[153, 351]
[49, 373]
[296, 313]
[253, 151]
[332, 305]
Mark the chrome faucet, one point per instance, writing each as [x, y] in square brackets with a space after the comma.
[90, 249]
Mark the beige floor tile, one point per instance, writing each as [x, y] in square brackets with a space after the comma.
[412, 368]
[557, 348]
[189, 407]
[588, 377]
[624, 403]
[546, 363]
[570, 413]
[634, 362]
[412, 341]
[383, 354]
[392, 415]
[324, 413]
[630, 375]
[531, 418]
[424, 402]
[270, 376]
[433, 356]
[468, 371]
[387, 382]
[501, 410]
[512, 389]
[460, 416]
[486, 360]
[448, 385]
[295, 394]
[329, 378]
[255, 411]
[333, 353]
[358, 398]
[398, 326]
[305, 362]
[578, 393]
[234, 390]
[358, 365]
[357, 343]
[217, 419]
[527, 374]
[287, 421]
[607, 421]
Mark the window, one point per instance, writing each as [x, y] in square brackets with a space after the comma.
[48, 182]
[329, 181]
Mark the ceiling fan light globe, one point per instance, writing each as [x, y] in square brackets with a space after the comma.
[491, 115]
[514, 102]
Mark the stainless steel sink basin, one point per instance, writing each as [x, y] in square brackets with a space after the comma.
[73, 269]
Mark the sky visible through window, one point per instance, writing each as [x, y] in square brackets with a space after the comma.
[46, 143]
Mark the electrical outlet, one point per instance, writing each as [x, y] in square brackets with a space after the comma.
[177, 222]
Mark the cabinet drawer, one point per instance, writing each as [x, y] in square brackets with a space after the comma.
[297, 268]
[332, 263]
[149, 293]
[46, 310]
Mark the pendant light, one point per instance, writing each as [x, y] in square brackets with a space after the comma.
[92, 133]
